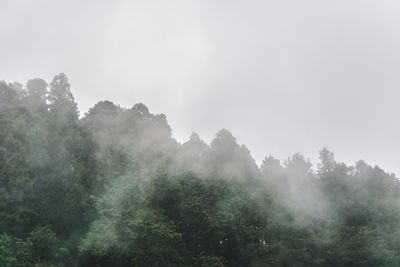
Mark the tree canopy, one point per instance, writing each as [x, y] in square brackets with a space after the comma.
[113, 188]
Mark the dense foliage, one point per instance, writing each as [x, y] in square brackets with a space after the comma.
[113, 188]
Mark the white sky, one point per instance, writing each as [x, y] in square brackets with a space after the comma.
[283, 76]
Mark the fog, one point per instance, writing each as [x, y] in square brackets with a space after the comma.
[194, 133]
[283, 76]
[112, 187]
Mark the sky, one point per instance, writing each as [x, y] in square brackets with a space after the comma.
[283, 76]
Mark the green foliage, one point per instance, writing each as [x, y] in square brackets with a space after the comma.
[14, 251]
[115, 189]
[44, 243]
[40, 248]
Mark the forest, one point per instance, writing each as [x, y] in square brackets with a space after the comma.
[113, 188]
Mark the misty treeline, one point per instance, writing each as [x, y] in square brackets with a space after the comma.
[113, 188]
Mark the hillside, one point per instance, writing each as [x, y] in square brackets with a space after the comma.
[113, 188]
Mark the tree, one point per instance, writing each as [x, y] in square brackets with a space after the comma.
[8, 97]
[36, 95]
[62, 102]
[229, 160]
[328, 162]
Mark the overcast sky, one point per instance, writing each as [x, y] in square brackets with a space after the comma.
[283, 76]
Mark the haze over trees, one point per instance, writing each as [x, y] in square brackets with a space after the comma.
[113, 188]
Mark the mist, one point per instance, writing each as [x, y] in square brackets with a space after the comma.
[264, 70]
[112, 187]
[199, 133]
